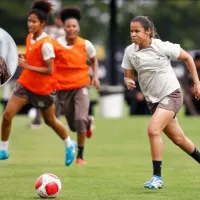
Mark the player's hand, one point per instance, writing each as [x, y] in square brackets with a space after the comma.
[130, 83]
[22, 62]
[95, 81]
[197, 91]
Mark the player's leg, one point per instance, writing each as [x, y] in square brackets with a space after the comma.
[14, 105]
[69, 112]
[90, 119]
[81, 100]
[176, 134]
[165, 112]
[51, 120]
[90, 126]
[159, 120]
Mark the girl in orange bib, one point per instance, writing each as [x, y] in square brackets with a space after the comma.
[72, 73]
[37, 82]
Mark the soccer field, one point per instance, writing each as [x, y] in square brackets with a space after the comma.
[118, 159]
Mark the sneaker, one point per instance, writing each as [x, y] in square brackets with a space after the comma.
[155, 183]
[4, 154]
[80, 161]
[90, 127]
[70, 153]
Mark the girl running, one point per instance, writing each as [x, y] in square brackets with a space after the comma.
[37, 82]
[150, 57]
[72, 73]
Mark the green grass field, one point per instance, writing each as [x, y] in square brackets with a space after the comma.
[118, 163]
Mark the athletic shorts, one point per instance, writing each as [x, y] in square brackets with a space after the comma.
[173, 101]
[38, 101]
[75, 105]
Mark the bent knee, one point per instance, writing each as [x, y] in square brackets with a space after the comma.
[153, 131]
[178, 140]
[81, 125]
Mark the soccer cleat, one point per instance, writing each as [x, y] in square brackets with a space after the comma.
[80, 161]
[4, 154]
[70, 153]
[155, 183]
[90, 127]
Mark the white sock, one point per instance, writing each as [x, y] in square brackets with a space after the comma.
[68, 141]
[4, 145]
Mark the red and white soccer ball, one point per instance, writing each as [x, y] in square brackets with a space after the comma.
[48, 186]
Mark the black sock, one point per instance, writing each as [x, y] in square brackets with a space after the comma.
[157, 167]
[196, 155]
[80, 152]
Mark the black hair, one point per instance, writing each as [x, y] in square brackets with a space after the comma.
[68, 13]
[41, 8]
[197, 56]
[147, 23]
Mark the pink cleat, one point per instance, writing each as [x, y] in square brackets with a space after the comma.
[80, 161]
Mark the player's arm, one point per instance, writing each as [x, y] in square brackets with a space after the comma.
[128, 71]
[48, 69]
[91, 53]
[94, 64]
[48, 57]
[128, 79]
[95, 80]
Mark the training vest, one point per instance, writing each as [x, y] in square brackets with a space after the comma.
[71, 69]
[42, 84]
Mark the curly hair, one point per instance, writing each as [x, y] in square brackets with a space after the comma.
[68, 13]
[41, 8]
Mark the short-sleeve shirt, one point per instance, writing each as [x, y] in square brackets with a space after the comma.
[155, 73]
[47, 48]
[4, 71]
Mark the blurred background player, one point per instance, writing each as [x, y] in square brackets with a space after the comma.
[192, 106]
[72, 73]
[37, 82]
[136, 100]
[54, 31]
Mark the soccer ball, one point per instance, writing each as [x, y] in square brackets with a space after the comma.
[48, 185]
